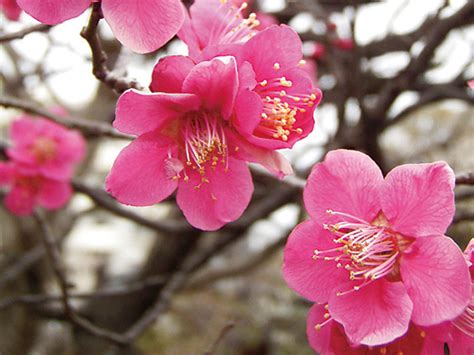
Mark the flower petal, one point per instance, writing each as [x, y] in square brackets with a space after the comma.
[376, 314]
[169, 73]
[20, 201]
[6, 173]
[319, 340]
[418, 199]
[284, 45]
[461, 344]
[145, 25]
[139, 113]
[347, 181]
[54, 194]
[140, 175]
[216, 82]
[222, 200]
[313, 279]
[52, 12]
[437, 279]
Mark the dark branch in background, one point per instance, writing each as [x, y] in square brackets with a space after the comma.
[465, 179]
[222, 334]
[99, 57]
[22, 33]
[89, 128]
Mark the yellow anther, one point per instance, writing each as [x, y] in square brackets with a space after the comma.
[302, 62]
[263, 83]
[276, 66]
[326, 315]
[317, 327]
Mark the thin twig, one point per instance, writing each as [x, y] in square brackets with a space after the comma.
[22, 33]
[99, 57]
[465, 179]
[222, 334]
[90, 128]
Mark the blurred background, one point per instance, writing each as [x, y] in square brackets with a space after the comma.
[393, 74]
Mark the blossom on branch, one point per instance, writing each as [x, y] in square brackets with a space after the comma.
[142, 26]
[370, 238]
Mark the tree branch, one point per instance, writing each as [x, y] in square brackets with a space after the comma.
[22, 33]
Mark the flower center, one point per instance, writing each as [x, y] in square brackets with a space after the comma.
[280, 108]
[368, 251]
[29, 183]
[233, 28]
[203, 146]
[44, 149]
[465, 322]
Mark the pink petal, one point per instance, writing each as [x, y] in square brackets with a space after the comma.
[52, 12]
[23, 131]
[11, 10]
[418, 199]
[319, 340]
[462, 343]
[139, 113]
[216, 83]
[57, 171]
[189, 36]
[54, 194]
[376, 314]
[248, 108]
[313, 279]
[6, 173]
[169, 74]
[347, 181]
[218, 202]
[20, 201]
[140, 175]
[437, 279]
[145, 25]
[284, 45]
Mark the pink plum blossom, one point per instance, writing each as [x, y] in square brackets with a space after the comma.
[374, 249]
[185, 141]
[470, 83]
[10, 9]
[207, 35]
[46, 146]
[462, 328]
[27, 189]
[142, 26]
[279, 94]
[331, 339]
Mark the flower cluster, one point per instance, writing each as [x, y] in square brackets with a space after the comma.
[239, 96]
[374, 258]
[40, 166]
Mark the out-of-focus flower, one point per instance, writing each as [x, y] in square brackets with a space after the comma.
[470, 83]
[48, 147]
[462, 328]
[276, 98]
[142, 26]
[185, 141]
[344, 44]
[317, 51]
[27, 189]
[10, 9]
[374, 250]
[331, 339]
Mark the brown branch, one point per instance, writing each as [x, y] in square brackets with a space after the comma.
[22, 33]
[94, 129]
[99, 57]
[54, 258]
[222, 334]
[463, 216]
[465, 179]
[103, 200]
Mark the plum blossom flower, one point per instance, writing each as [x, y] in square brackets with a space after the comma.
[142, 26]
[186, 142]
[10, 9]
[462, 328]
[46, 146]
[206, 35]
[27, 188]
[370, 238]
[279, 93]
[331, 339]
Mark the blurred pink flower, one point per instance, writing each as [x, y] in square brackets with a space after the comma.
[318, 50]
[276, 100]
[344, 44]
[213, 25]
[380, 240]
[11, 9]
[48, 147]
[332, 340]
[185, 141]
[470, 83]
[27, 188]
[462, 328]
[142, 26]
